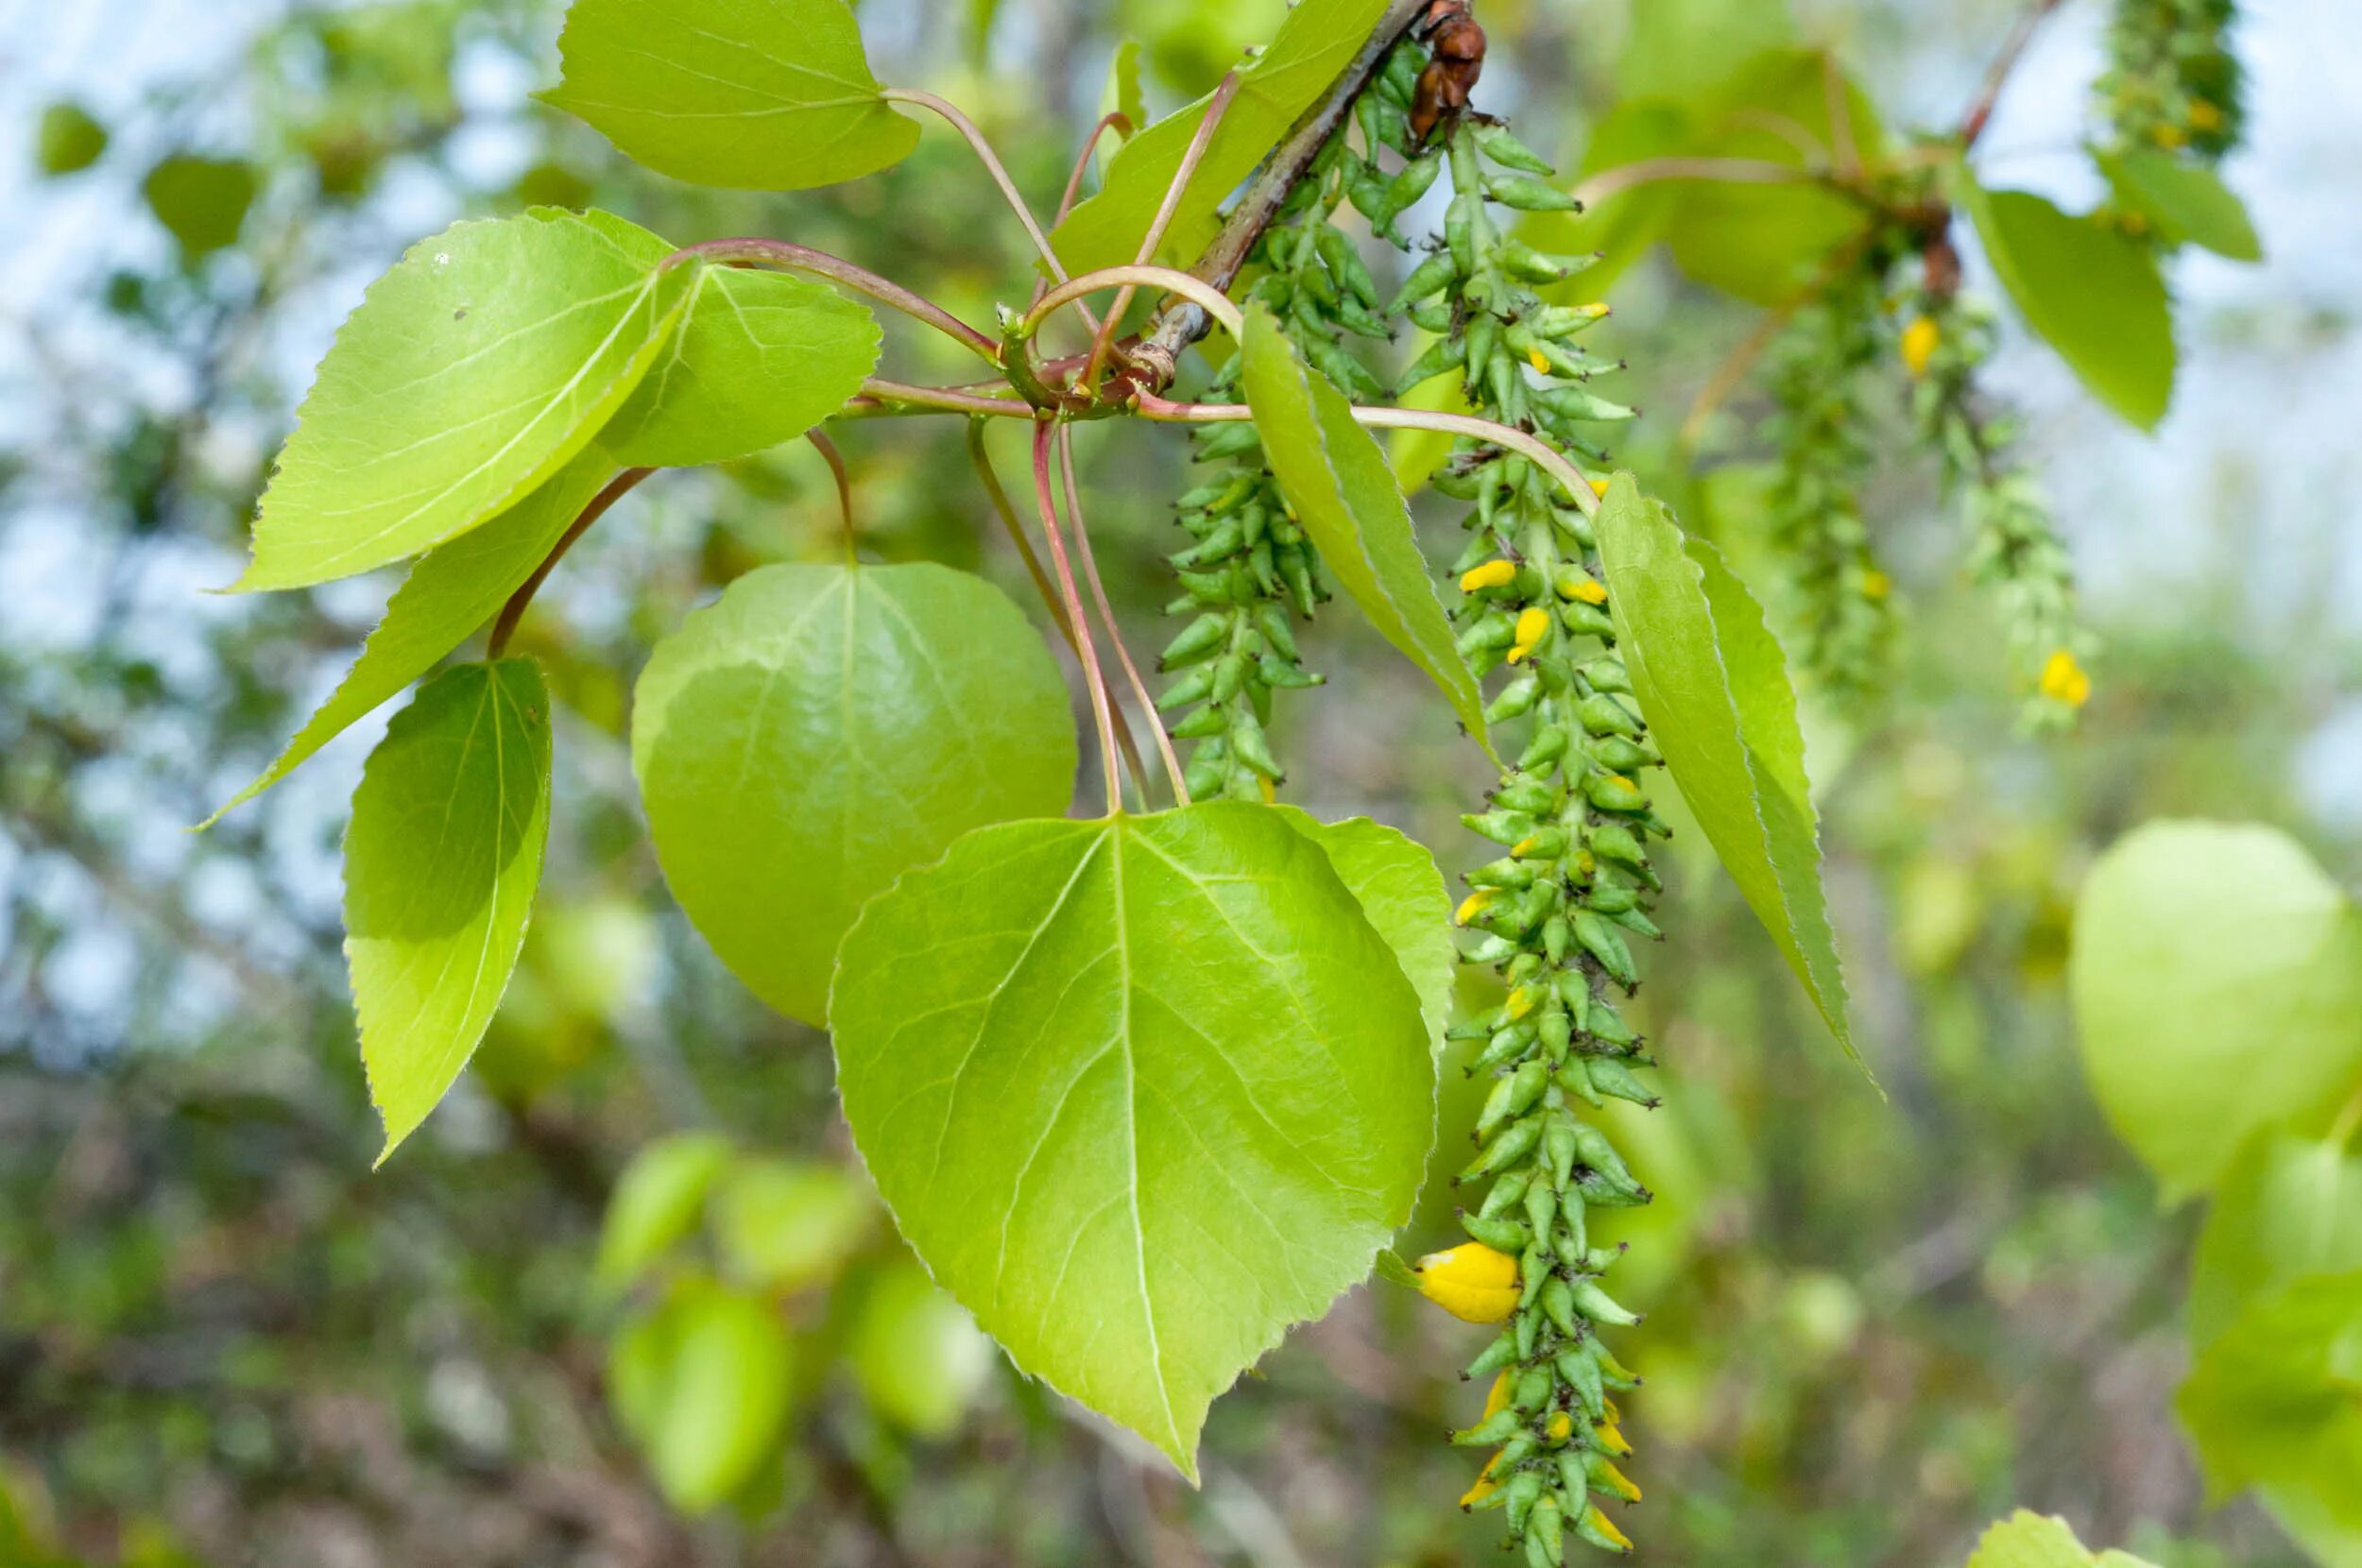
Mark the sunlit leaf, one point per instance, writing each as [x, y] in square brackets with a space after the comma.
[2185, 202]
[821, 730]
[1400, 889]
[1141, 1092]
[759, 359]
[1714, 688]
[441, 863]
[2274, 1399]
[756, 94]
[471, 372]
[2038, 1541]
[786, 1225]
[1337, 482]
[2287, 1207]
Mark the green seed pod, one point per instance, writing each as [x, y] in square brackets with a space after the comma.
[1207, 721]
[1192, 687]
[1586, 620]
[1592, 1147]
[1597, 1305]
[1512, 1143]
[1600, 714]
[1502, 1353]
[1617, 754]
[1497, 143]
[1611, 1077]
[1502, 827]
[1248, 745]
[1516, 701]
[1523, 193]
[1612, 791]
[1580, 1372]
[1506, 1194]
[1509, 873]
[1606, 945]
[1523, 1492]
[1429, 278]
[1614, 841]
[1498, 1427]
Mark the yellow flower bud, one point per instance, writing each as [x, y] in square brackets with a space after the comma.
[2169, 135]
[1533, 626]
[1472, 1282]
[2205, 116]
[1606, 1527]
[1483, 1488]
[1559, 1427]
[1920, 341]
[1474, 905]
[1496, 1401]
[1271, 795]
[1492, 574]
[1875, 585]
[1610, 1436]
[1540, 361]
[1599, 487]
[1582, 585]
[2064, 680]
[1616, 1482]
[1520, 1003]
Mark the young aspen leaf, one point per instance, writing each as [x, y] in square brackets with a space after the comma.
[441, 863]
[704, 1385]
[752, 94]
[471, 373]
[1141, 1092]
[821, 730]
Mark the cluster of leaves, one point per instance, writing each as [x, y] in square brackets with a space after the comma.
[1769, 177]
[2217, 990]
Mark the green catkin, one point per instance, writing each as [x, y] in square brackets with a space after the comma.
[1553, 916]
[2172, 81]
[1249, 572]
[2014, 549]
[1841, 599]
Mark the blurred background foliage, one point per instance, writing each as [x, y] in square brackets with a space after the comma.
[1873, 1323]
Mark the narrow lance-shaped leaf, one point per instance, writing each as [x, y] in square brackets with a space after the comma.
[1714, 689]
[1141, 1092]
[441, 863]
[821, 730]
[452, 589]
[2094, 293]
[1337, 483]
[752, 94]
[1313, 46]
[475, 369]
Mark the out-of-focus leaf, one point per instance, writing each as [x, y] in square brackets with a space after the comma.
[2287, 1207]
[202, 202]
[2093, 293]
[703, 1386]
[1617, 228]
[2216, 982]
[786, 1225]
[770, 96]
[918, 1357]
[1764, 241]
[1684, 49]
[657, 1202]
[2274, 1399]
[2185, 202]
[68, 140]
[2038, 1541]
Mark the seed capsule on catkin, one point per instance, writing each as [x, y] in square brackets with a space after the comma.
[1472, 1282]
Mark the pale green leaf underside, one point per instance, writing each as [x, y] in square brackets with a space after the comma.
[472, 371]
[760, 358]
[1141, 1092]
[2217, 980]
[752, 94]
[1398, 887]
[441, 863]
[822, 729]
[2094, 294]
[1337, 483]
[452, 589]
[2038, 1541]
[1313, 46]
[1714, 688]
